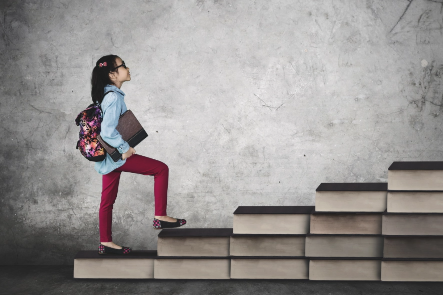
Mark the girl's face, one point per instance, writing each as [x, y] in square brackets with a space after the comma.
[121, 73]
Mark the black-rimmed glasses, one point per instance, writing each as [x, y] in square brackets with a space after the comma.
[122, 65]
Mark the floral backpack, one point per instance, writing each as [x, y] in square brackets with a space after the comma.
[90, 121]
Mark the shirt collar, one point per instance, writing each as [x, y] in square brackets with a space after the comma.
[110, 87]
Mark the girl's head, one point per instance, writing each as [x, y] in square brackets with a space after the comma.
[109, 69]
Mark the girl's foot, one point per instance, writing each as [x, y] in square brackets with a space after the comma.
[166, 218]
[111, 245]
[167, 222]
[104, 250]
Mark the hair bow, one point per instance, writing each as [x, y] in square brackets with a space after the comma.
[102, 64]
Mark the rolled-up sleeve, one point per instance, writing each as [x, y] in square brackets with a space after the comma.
[111, 108]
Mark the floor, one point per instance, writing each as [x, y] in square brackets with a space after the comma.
[51, 279]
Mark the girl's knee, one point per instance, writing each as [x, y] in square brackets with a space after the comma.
[164, 167]
[161, 167]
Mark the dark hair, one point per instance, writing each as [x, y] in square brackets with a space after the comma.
[100, 76]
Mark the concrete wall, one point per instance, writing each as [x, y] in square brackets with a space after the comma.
[248, 102]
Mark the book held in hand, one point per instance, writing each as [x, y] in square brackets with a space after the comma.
[131, 131]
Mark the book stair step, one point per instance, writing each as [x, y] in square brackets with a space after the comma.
[351, 197]
[193, 253]
[194, 242]
[412, 270]
[410, 176]
[267, 245]
[135, 265]
[348, 223]
[272, 219]
[413, 247]
[420, 224]
[344, 245]
[345, 269]
[274, 267]
[415, 202]
[183, 267]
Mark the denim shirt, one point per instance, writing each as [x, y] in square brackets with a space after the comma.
[113, 105]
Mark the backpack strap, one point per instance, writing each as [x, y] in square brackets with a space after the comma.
[108, 92]
[104, 96]
[98, 104]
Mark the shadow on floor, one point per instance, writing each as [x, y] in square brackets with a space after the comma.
[56, 279]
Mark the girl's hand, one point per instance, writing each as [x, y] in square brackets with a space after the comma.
[129, 153]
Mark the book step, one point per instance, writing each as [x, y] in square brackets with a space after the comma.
[145, 264]
[425, 175]
[231, 268]
[272, 219]
[135, 265]
[346, 223]
[179, 267]
[258, 267]
[345, 269]
[222, 242]
[267, 245]
[420, 224]
[194, 242]
[415, 201]
[412, 270]
[344, 246]
[413, 247]
[351, 197]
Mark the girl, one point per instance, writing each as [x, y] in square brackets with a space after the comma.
[109, 74]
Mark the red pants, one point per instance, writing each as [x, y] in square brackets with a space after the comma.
[134, 164]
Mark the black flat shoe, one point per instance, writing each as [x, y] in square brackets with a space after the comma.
[160, 224]
[102, 249]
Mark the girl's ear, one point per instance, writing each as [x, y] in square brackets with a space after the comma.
[112, 76]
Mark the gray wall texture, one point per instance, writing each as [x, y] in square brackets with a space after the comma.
[248, 102]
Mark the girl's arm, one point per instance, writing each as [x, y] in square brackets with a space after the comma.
[111, 108]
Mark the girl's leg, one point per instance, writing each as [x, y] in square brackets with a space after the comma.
[110, 183]
[147, 166]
